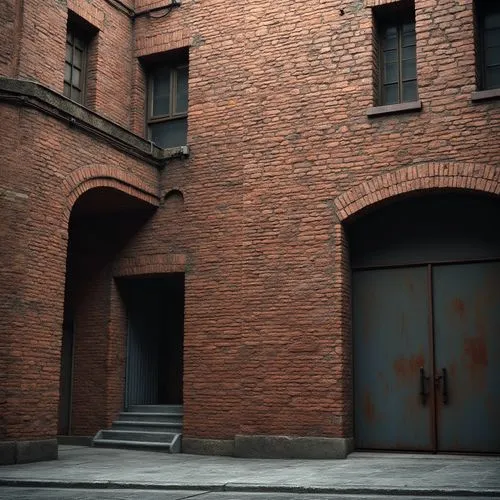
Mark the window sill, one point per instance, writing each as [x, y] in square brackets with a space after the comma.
[391, 109]
[485, 95]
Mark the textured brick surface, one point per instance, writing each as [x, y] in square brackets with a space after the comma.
[282, 153]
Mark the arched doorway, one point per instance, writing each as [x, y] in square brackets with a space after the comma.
[426, 323]
[103, 221]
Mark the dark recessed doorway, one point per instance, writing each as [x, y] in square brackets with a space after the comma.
[155, 317]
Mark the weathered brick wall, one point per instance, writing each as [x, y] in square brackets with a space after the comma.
[42, 48]
[9, 37]
[112, 50]
[277, 131]
[41, 154]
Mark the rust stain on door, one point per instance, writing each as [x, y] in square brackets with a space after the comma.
[459, 307]
[477, 351]
[407, 367]
[368, 407]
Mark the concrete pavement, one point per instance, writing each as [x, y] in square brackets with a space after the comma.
[360, 473]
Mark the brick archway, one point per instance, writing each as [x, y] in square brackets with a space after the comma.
[422, 177]
[86, 178]
[103, 318]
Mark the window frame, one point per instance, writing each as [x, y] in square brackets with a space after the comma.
[482, 10]
[173, 68]
[395, 15]
[76, 32]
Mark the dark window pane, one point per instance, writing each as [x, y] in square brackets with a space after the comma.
[409, 39]
[170, 133]
[67, 72]
[493, 78]
[409, 91]
[181, 98]
[409, 52]
[409, 28]
[391, 73]
[492, 20]
[69, 53]
[78, 58]
[161, 93]
[79, 43]
[69, 37]
[492, 57]
[390, 95]
[492, 38]
[67, 89]
[390, 56]
[409, 70]
[76, 77]
[390, 39]
[76, 95]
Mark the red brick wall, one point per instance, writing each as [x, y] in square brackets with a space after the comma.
[42, 48]
[39, 154]
[277, 132]
[9, 37]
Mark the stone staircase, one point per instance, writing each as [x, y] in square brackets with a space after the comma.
[145, 427]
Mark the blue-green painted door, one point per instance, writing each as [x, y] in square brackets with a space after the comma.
[391, 346]
[467, 352]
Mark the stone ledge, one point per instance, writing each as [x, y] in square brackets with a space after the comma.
[21, 452]
[75, 440]
[485, 95]
[257, 446]
[195, 446]
[392, 109]
[291, 447]
[37, 96]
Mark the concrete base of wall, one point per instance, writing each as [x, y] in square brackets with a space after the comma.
[75, 440]
[224, 447]
[21, 452]
[271, 447]
[291, 447]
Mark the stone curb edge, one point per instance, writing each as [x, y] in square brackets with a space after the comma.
[235, 487]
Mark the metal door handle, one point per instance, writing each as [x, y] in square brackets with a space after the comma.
[445, 386]
[423, 380]
[444, 378]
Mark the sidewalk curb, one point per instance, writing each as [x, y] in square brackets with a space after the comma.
[242, 488]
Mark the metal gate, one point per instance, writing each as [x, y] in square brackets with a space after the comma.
[427, 357]
[142, 359]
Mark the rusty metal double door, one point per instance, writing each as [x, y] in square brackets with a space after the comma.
[427, 357]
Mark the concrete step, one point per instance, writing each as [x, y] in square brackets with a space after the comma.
[172, 447]
[133, 425]
[177, 409]
[142, 436]
[145, 427]
[150, 417]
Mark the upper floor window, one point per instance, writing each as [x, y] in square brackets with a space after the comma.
[488, 44]
[168, 102]
[397, 60]
[75, 64]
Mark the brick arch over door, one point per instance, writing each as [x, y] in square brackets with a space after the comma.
[422, 177]
[430, 176]
[86, 178]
